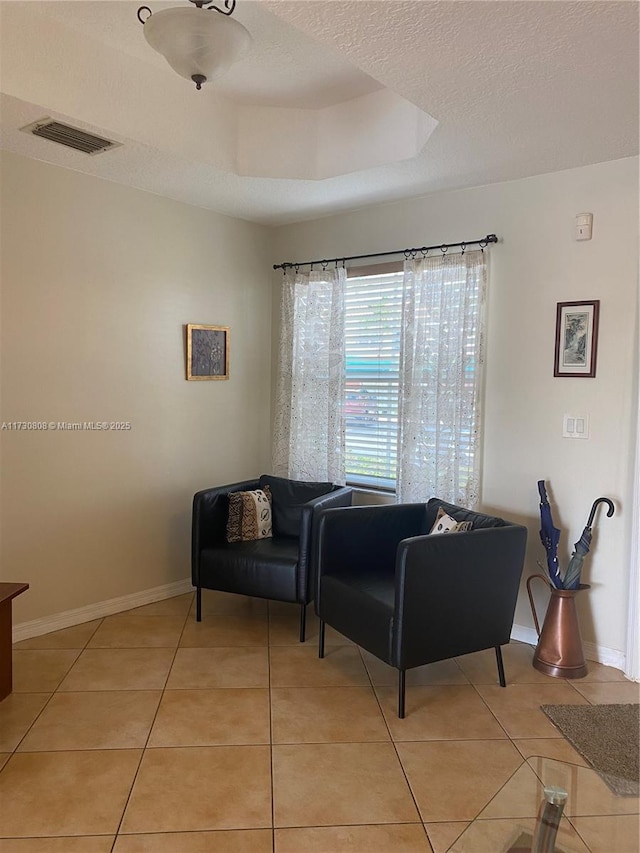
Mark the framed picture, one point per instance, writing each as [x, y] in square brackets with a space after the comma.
[207, 352]
[576, 338]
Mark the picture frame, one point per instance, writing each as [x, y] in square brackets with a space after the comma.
[207, 352]
[576, 338]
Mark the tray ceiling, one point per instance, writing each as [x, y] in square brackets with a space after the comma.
[339, 104]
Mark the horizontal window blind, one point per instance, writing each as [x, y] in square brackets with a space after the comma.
[372, 344]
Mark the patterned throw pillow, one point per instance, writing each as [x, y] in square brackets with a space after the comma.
[445, 524]
[249, 515]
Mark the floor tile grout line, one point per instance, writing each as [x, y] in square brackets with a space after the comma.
[166, 681]
[126, 803]
[578, 833]
[581, 695]
[395, 749]
[522, 763]
[273, 799]
[457, 836]
[144, 748]
[466, 677]
[31, 725]
[93, 633]
[53, 693]
[96, 690]
[348, 825]
[493, 714]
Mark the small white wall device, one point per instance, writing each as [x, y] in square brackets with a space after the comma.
[584, 226]
[575, 426]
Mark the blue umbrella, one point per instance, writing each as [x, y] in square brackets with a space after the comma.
[549, 536]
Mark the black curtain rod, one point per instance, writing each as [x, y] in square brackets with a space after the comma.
[408, 253]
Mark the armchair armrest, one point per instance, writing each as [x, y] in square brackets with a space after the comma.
[209, 518]
[341, 496]
[467, 580]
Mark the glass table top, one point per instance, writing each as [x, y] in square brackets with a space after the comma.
[507, 823]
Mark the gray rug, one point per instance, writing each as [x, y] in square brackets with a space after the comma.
[606, 736]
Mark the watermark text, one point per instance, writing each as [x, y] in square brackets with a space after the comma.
[65, 426]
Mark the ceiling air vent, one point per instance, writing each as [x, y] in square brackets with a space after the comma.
[72, 137]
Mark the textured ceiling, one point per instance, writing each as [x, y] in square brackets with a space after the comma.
[282, 69]
[516, 89]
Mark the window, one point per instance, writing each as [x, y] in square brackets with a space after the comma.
[372, 354]
[380, 376]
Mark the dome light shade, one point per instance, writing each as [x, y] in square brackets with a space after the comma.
[197, 43]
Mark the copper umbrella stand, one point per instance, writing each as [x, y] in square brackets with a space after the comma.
[559, 650]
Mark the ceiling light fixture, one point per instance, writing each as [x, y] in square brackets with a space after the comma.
[196, 45]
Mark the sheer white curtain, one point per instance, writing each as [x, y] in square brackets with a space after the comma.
[441, 359]
[309, 431]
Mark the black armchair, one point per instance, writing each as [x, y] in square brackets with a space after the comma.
[279, 567]
[410, 598]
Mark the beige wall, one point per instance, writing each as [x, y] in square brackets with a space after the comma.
[98, 281]
[537, 264]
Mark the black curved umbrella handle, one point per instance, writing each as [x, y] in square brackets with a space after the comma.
[597, 501]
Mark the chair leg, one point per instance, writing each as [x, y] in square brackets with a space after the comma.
[303, 621]
[503, 683]
[198, 604]
[401, 690]
[321, 640]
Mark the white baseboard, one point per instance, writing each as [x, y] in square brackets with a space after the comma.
[600, 654]
[69, 618]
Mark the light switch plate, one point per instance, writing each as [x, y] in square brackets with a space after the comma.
[584, 226]
[575, 426]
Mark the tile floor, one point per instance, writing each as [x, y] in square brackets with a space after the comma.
[146, 731]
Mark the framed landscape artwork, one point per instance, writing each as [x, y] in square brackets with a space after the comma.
[576, 338]
[207, 352]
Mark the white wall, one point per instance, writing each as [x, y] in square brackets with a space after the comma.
[537, 264]
[98, 282]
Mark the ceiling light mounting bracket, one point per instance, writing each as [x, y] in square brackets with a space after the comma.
[228, 8]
